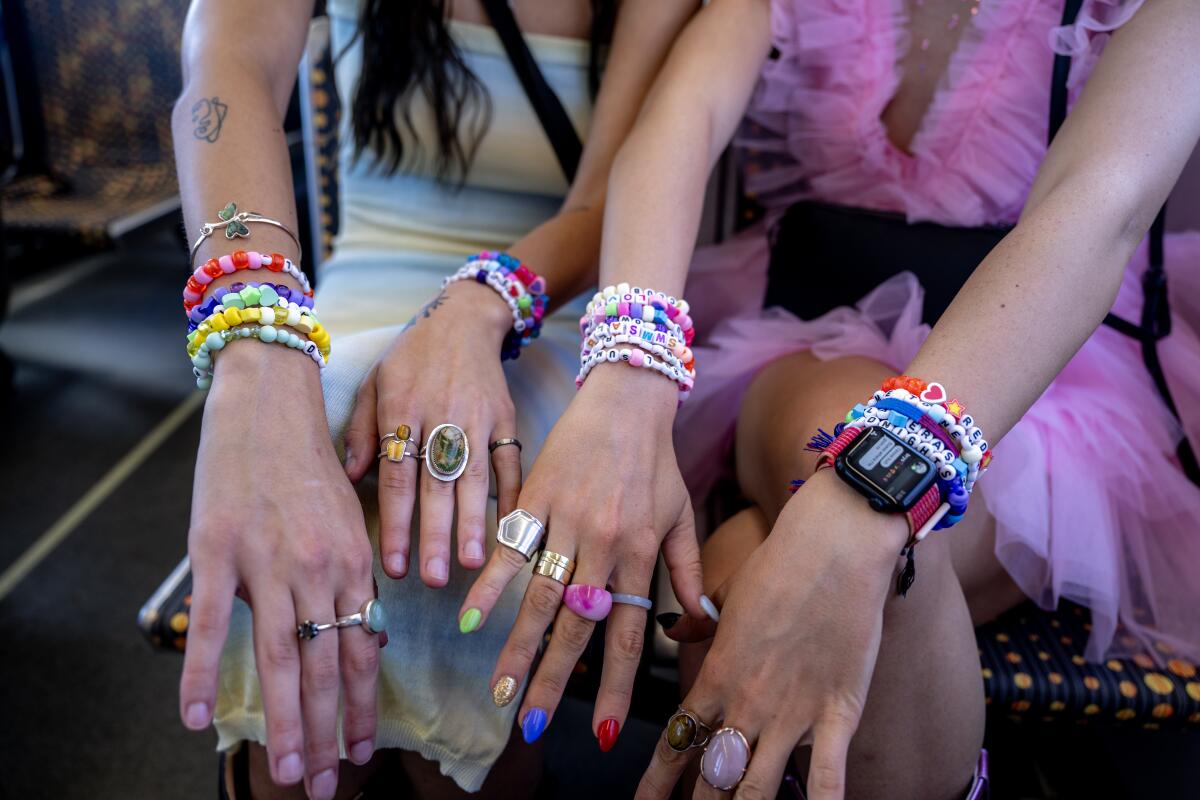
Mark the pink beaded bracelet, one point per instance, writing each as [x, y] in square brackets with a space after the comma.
[206, 273]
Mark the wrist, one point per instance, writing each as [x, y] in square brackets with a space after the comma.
[245, 370]
[615, 383]
[878, 536]
[482, 305]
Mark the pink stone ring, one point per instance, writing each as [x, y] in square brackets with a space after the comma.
[589, 602]
[725, 759]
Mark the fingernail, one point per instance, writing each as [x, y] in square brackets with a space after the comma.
[607, 734]
[361, 752]
[290, 768]
[470, 620]
[533, 725]
[397, 563]
[436, 568]
[196, 716]
[668, 620]
[473, 550]
[324, 785]
[709, 608]
[504, 691]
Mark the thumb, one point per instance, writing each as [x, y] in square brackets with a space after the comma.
[681, 552]
[361, 433]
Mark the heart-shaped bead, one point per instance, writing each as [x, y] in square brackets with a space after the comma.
[934, 393]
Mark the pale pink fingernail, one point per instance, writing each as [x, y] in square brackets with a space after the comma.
[290, 768]
[473, 550]
[361, 752]
[195, 716]
[397, 563]
[436, 568]
[324, 785]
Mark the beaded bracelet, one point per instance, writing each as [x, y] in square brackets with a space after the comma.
[637, 358]
[202, 360]
[614, 302]
[265, 314]
[659, 343]
[521, 288]
[193, 291]
[201, 312]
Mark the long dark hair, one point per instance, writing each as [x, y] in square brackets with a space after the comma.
[407, 48]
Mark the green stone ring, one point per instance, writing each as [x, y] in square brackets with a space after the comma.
[371, 617]
[446, 452]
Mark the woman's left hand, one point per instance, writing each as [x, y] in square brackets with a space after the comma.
[796, 647]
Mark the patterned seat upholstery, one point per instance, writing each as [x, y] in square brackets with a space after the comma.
[1034, 670]
[320, 115]
[107, 73]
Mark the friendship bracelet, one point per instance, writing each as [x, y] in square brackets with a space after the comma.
[202, 361]
[291, 316]
[521, 288]
[193, 291]
[658, 342]
[201, 312]
[614, 302]
[235, 222]
[636, 358]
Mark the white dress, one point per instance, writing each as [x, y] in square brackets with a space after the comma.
[399, 235]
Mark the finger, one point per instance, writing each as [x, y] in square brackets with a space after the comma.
[320, 678]
[688, 628]
[567, 642]
[767, 764]
[624, 637]
[827, 767]
[503, 565]
[471, 490]
[437, 514]
[397, 495]
[724, 771]
[506, 462]
[541, 602]
[212, 602]
[362, 433]
[277, 657]
[359, 652]
[666, 765]
[681, 551]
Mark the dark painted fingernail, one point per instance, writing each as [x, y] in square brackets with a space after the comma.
[668, 620]
[533, 724]
[607, 734]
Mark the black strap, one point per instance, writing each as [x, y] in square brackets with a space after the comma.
[1156, 311]
[549, 109]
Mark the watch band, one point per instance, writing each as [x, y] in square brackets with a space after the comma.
[918, 515]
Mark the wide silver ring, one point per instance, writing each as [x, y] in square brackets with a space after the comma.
[446, 452]
[370, 616]
[521, 531]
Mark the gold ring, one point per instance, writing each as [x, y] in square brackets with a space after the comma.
[555, 567]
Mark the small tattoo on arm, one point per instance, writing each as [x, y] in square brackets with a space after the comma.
[428, 308]
[208, 115]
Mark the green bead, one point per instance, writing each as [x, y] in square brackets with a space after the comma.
[524, 301]
[233, 300]
[267, 296]
[251, 295]
[469, 621]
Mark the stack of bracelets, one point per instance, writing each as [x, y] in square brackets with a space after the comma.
[655, 324]
[521, 288]
[937, 427]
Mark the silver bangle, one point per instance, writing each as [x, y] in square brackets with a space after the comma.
[234, 223]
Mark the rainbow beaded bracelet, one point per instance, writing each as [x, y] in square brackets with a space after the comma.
[203, 311]
[521, 288]
[206, 273]
[202, 360]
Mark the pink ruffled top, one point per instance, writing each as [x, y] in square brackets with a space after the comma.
[816, 115]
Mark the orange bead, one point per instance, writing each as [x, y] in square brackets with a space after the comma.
[240, 259]
[195, 285]
[276, 264]
[212, 268]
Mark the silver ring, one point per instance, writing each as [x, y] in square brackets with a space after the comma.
[371, 617]
[446, 452]
[521, 531]
[394, 446]
[501, 442]
[633, 600]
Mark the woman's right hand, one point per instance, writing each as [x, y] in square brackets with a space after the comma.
[275, 520]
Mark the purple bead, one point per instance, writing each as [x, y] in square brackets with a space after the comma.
[220, 292]
[283, 291]
[481, 276]
[237, 287]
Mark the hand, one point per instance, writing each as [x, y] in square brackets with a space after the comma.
[808, 604]
[608, 487]
[275, 520]
[445, 367]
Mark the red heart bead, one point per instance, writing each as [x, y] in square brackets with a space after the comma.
[934, 393]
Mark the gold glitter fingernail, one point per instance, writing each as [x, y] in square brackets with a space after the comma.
[504, 691]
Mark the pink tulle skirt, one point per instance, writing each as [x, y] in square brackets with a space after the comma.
[1089, 501]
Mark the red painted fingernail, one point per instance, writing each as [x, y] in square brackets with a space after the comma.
[607, 734]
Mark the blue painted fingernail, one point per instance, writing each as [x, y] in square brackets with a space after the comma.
[710, 608]
[533, 724]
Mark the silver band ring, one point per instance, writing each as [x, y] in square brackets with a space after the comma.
[501, 442]
[521, 531]
[633, 600]
[394, 446]
[370, 616]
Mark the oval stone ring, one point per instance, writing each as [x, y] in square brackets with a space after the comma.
[371, 617]
[725, 759]
[685, 731]
[446, 452]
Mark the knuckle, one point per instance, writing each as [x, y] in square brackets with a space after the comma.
[358, 562]
[363, 661]
[472, 524]
[511, 558]
[322, 751]
[826, 777]
[476, 471]
[550, 684]
[543, 599]
[752, 788]
[435, 488]
[397, 478]
[316, 561]
[642, 557]
[280, 652]
[573, 631]
[322, 675]
[841, 713]
[523, 652]
[627, 644]
[204, 624]
[284, 732]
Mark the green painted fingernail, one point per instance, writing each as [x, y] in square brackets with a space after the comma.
[470, 620]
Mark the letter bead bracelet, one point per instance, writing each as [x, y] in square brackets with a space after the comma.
[193, 291]
[521, 288]
[654, 323]
[202, 361]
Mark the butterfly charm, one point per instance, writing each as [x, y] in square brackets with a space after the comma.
[228, 211]
[236, 228]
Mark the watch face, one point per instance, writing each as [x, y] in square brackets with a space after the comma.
[889, 471]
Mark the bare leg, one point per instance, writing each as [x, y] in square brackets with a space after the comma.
[351, 777]
[923, 723]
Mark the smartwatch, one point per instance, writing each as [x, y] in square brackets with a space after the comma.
[893, 476]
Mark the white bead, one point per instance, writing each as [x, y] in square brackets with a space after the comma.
[971, 455]
[266, 316]
[293, 317]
